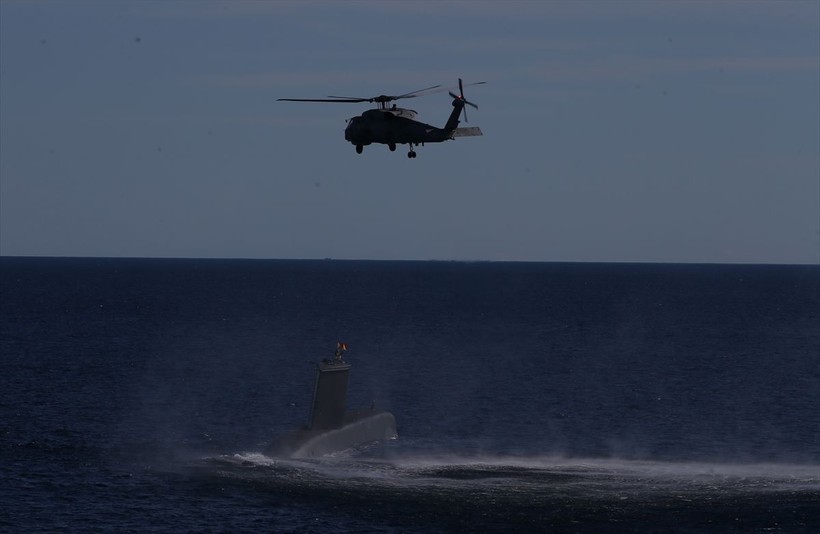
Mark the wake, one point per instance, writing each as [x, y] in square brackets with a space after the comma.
[540, 475]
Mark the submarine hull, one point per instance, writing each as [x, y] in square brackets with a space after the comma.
[358, 428]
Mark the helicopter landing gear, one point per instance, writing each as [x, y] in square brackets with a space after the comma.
[392, 147]
[412, 153]
[359, 149]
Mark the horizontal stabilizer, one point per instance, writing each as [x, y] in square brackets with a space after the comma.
[472, 131]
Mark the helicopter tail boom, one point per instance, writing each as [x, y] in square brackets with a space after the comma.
[452, 120]
[458, 106]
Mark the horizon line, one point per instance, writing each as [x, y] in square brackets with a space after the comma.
[383, 260]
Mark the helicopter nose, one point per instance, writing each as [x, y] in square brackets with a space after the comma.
[354, 125]
[351, 129]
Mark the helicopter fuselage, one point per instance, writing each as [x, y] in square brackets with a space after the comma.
[391, 127]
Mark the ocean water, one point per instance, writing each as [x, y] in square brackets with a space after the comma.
[138, 394]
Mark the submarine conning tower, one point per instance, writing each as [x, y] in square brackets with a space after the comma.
[329, 395]
[331, 428]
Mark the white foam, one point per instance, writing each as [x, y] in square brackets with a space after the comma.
[643, 468]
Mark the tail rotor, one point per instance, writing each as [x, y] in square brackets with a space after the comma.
[460, 97]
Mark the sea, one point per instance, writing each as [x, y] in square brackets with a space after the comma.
[139, 395]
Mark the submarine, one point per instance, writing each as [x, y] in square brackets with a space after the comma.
[330, 428]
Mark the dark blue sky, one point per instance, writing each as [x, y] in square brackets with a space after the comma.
[636, 131]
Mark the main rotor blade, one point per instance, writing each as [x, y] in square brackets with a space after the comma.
[420, 92]
[463, 85]
[343, 101]
[390, 98]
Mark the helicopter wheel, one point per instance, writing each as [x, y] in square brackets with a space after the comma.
[392, 147]
[359, 149]
[411, 154]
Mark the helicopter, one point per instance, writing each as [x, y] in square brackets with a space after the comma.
[391, 125]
